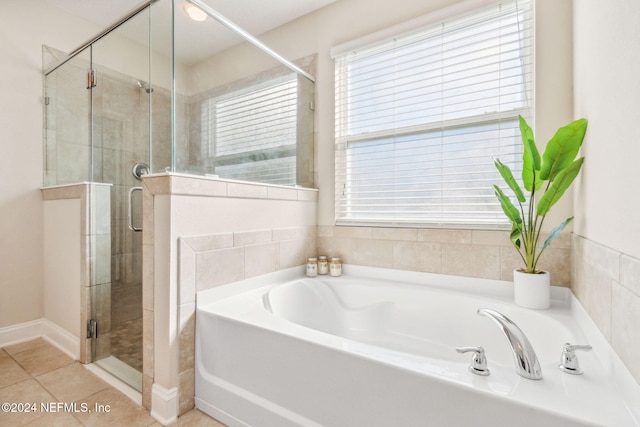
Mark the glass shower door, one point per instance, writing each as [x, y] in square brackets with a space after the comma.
[121, 99]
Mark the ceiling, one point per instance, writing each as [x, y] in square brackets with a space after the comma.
[196, 40]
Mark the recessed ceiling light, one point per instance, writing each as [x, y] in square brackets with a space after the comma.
[195, 12]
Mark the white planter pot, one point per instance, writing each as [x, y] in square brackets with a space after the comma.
[532, 290]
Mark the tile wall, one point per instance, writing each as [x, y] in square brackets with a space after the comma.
[607, 283]
[474, 253]
[218, 259]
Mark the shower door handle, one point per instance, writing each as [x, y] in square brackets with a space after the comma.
[130, 209]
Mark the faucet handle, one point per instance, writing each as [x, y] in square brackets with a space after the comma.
[569, 362]
[478, 364]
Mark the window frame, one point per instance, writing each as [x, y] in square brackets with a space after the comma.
[343, 141]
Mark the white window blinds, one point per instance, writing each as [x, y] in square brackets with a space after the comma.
[420, 117]
[251, 133]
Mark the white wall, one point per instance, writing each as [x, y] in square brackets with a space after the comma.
[606, 253]
[607, 90]
[26, 26]
[62, 264]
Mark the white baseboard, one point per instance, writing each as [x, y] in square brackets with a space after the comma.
[61, 338]
[15, 334]
[41, 328]
[164, 404]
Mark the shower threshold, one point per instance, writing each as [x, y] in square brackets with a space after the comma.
[120, 370]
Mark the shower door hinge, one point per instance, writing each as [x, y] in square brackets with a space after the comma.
[47, 100]
[91, 79]
[92, 328]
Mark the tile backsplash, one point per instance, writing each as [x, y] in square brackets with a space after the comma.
[607, 283]
[476, 253]
[218, 259]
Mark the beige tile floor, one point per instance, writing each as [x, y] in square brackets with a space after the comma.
[36, 372]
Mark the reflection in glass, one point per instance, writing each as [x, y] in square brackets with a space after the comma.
[239, 113]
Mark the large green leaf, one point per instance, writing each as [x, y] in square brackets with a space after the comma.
[530, 157]
[516, 235]
[507, 207]
[559, 185]
[555, 233]
[507, 175]
[562, 149]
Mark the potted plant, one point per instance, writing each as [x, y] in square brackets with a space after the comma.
[546, 179]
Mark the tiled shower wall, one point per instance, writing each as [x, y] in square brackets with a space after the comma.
[607, 283]
[121, 135]
[121, 139]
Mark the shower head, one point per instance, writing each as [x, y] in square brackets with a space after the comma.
[145, 86]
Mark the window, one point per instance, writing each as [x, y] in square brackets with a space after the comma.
[250, 134]
[420, 117]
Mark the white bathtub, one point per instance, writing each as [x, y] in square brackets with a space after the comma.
[376, 347]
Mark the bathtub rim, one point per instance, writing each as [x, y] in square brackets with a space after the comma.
[560, 296]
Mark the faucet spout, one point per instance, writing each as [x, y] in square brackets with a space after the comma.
[526, 361]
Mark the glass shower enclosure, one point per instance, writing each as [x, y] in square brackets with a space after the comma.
[159, 92]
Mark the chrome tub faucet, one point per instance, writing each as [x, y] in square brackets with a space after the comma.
[526, 361]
